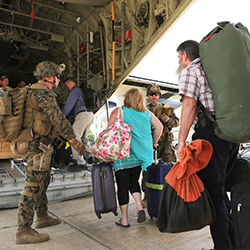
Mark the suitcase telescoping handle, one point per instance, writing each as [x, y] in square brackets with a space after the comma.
[155, 161]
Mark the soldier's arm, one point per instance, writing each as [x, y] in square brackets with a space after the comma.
[47, 102]
[173, 121]
[158, 127]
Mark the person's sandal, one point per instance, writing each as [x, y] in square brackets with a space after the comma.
[119, 223]
[141, 216]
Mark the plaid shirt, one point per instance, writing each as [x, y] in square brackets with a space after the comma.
[193, 83]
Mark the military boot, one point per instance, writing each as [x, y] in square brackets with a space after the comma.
[27, 235]
[45, 220]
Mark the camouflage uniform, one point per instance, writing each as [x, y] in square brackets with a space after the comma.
[42, 116]
[34, 192]
[165, 150]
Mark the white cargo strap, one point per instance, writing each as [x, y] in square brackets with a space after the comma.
[22, 147]
[13, 148]
[19, 147]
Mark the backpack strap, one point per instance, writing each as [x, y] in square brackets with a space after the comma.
[204, 110]
[120, 114]
[38, 86]
[209, 116]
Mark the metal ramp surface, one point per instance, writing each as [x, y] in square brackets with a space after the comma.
[64, 185]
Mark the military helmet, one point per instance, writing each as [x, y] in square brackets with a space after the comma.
[153, 89]
[47, 69]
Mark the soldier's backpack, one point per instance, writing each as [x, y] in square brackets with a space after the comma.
[92, 98]
[11, 115]
[225, 58]
[13, 139]
[12, 107]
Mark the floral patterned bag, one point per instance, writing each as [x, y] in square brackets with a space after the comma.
[113, 143]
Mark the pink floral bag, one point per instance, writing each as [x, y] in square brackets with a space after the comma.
[113, 143]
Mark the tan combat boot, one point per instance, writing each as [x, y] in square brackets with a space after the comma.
[44, 220]
[27, 235]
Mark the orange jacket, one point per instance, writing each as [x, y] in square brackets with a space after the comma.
[182, 177]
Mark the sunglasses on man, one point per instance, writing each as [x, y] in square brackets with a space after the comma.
[153, 94]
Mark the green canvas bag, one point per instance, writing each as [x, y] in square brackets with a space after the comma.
[225, 58]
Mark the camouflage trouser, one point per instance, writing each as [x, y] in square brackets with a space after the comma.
[33, 195]
[166, 152]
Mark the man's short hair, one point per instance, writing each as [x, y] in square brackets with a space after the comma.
[69, 79]
[191, 47]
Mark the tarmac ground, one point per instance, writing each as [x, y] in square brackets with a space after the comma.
[81, 229]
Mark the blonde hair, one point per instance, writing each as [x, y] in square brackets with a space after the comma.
[136, 99]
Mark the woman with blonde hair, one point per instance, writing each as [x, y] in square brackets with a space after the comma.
[127, 171]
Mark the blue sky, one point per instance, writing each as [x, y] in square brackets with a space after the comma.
[198, 20]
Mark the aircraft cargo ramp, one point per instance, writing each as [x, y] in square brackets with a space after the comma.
[64, 184]
[81, 229]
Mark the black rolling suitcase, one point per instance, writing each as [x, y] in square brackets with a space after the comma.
[155, 180]
[240, 172]
[240, 199]
[103, 189]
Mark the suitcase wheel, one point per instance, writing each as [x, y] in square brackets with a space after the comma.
[115, 213]
[98, 215]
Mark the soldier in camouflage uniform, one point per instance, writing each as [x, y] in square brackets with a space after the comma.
[47, 122]
[165, 149]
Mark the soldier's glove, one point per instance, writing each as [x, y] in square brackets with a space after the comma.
[164, 118]
[79, 147]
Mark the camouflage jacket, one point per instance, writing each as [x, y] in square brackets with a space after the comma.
[171, 123]
[44, 100]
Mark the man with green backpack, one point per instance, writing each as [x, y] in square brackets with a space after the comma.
[193, 86]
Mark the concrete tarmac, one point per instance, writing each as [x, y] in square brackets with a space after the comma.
[81, 229]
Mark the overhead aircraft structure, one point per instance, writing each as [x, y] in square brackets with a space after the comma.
[99, 41]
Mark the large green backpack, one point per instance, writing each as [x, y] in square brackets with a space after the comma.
[225, 58]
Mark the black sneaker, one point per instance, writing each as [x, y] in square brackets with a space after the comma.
[57, 165]
[72, 162]
[90, 160]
